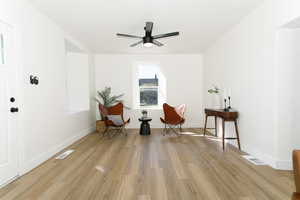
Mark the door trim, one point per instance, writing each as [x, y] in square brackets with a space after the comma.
[18, 62]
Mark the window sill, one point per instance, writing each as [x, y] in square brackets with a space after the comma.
[149, 108]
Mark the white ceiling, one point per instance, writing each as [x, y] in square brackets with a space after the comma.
[96, 22]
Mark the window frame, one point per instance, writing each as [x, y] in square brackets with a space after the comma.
[162, 93]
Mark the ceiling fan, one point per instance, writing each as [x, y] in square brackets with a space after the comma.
[148, 40]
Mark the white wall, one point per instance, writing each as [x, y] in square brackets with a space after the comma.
[184, 83]
[45, 126]
[242, 61]
[288, 95]
[286, 11]
[258, 61]
[78, 82]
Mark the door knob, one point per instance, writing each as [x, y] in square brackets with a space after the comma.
[13, 110]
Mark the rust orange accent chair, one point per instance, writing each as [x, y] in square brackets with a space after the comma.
[118, 110]
[174, 116]
[296, 165]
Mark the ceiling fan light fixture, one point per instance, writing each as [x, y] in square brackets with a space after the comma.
[148, 44]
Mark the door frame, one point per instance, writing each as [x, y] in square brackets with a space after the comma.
[17, 50]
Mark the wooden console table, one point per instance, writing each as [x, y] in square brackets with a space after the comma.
[226, 116]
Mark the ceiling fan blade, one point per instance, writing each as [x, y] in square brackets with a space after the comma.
[166, 35]
[131, 36]
[137, 43]
[157, 43]
[149, 27]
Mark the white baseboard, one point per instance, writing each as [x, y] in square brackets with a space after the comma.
[33, 163]
[284, 165]
[193, 125]
[6, 182]
[273, 162]
[269, 160]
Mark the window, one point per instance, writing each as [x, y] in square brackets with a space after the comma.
[149, 86]
[148, 91]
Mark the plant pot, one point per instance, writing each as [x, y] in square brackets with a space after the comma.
[100, 126]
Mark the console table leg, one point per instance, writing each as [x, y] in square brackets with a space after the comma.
[205, 125]
[223, 135]
[237, 133]
[216, 125]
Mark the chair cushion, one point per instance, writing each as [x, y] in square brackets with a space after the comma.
[116, 119]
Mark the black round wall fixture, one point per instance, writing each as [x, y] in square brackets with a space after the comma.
[34, 80]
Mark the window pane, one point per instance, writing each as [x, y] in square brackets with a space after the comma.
[147, 82]
[148, 91]
[2, 60]
[148, 96]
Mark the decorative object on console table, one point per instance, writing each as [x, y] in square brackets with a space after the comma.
[229, 106]
[226, 116]
[225, 105]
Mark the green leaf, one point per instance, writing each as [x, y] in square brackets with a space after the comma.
[96, 99]
[106, 97]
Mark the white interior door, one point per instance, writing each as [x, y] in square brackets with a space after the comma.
[8, 106]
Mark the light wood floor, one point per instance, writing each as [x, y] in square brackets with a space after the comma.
[151, 168]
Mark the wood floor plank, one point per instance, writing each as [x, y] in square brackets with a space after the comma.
[155, 167]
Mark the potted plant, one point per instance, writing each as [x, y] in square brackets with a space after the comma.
[105, 98]
[216, 98]
[145, 113]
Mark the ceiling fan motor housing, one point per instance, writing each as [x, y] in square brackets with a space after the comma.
[147, 39]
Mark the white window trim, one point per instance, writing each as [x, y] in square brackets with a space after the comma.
[162, 96]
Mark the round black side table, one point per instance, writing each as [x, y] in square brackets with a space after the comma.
[145, 126]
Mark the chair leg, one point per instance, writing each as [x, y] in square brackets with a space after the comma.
[178, 132]
[237, 134]
[110, 135]
[165, 130]
[223, 136]
[174, 131]
[124, 130]
[115, 132]
[205, 124]
[105, 132]
[216, 126]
